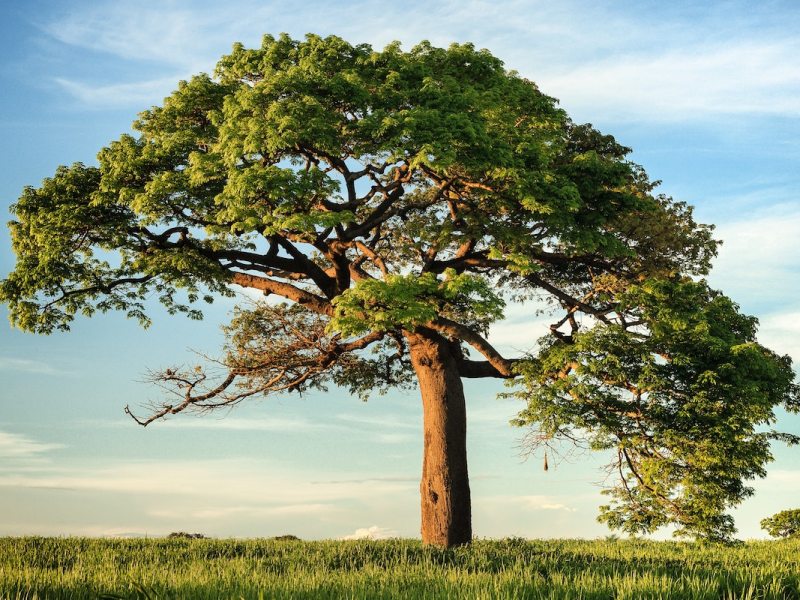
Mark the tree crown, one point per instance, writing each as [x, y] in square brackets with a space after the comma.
[785, 524]
[377, 193]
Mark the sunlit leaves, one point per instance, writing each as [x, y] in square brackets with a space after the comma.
[785, 524]
[258, 152]
[408, 301]
[684, 401]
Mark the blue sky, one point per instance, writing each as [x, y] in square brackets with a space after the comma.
[707, 94]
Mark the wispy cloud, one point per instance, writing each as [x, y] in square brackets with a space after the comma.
[755, 76]
[757, 263]
[785, 479]
[15, 445]
[496, 413]
[135, 94]
[25, 365]
[237, 481]
[543, 503]
[255, 511]
[711, 65]
[394, 438]
[383, 421]
[246, 496]
[277, 424]
[522, 326]
[368, 480]
[375, 428]
[781, 332]
[163, 33]
[532, 502]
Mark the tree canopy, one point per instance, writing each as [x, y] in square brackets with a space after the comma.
[390, 198]
[785, 524]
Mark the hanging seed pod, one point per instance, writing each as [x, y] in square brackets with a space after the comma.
[546, 468]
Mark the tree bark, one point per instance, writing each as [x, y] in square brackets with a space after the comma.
[444, 489]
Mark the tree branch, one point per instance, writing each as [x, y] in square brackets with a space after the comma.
[320, 278]
[270, 286]
[477, 369]
[474, 339]
[104, 288]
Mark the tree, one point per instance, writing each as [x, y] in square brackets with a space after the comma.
[394, 202]
[785, 524]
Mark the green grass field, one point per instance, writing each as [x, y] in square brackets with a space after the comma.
[159, 568]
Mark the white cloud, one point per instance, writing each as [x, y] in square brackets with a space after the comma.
[519, 331]
[780, 332]
[531, 502]
[223, 497]
[384, 421]
[281, 424]
[137, 94]
[757, 264]
[394, 438]
[543, 503]
[388, 429]
[752, 76]
[358, 425]
[785, 479]
[364, 480]
[158, 32]
[555, 507]
[496, 412]
[14, 445]
[236, 481]
[689, 74]
[254, 511]
[371, 533]
[25, 365]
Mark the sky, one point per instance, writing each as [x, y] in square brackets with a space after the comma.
[706, 94]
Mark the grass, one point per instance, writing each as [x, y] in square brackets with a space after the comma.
[36, 568]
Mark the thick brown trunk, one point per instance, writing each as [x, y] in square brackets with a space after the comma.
[446, 508]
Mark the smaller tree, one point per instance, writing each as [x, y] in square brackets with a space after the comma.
[785, 524]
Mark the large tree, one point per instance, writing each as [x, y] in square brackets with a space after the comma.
[394, 202]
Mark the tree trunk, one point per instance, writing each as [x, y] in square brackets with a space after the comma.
[444, 489]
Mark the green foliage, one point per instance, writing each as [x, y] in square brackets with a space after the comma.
[785, 524]
[682, 400]
[259, 151]
[384, 192]
[79, 568]
[408, 301]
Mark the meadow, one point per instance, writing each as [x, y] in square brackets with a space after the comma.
[75, 568]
